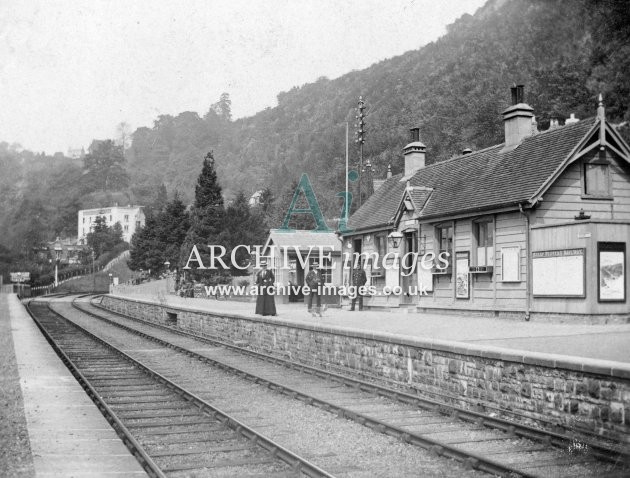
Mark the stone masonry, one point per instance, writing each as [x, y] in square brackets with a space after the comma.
[591, 397]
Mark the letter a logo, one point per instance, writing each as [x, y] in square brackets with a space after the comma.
[313, 207]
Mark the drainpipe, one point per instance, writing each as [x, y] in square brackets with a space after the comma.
[528, 280]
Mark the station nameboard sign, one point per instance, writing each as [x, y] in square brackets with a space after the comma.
[20, 276]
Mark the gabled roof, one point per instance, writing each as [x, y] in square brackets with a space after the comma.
[302, 239]
[379, 209]
[482, 180]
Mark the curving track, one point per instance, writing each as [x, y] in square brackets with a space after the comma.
[171, 431]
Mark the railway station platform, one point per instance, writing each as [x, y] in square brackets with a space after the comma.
[609, 342]
[68, 434]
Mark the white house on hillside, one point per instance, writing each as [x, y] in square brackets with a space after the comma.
[130, 218]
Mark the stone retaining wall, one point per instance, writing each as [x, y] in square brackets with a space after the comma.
[587, 395]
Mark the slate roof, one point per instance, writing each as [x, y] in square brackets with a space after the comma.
[478, 181]
[304, 239]
[419, 197]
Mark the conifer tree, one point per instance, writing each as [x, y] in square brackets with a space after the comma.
[243, 225]
[161, 199]
[206, 221]
[161, 238]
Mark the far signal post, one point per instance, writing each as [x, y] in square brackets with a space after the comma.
[360, 139]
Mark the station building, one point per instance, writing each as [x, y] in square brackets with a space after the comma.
[130, 218]
[301, 249]
[536, 227]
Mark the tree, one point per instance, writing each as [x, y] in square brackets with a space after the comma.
[103, 238]
[123, 135]
[207, 217]
[104, 166]
[243, 226]
[223, 108]
[161, 238]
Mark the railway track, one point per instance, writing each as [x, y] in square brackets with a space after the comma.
[489, 444]
[171, 431]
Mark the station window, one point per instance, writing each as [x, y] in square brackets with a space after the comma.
[484, 235]
[126, 228]
[375, 266]
[445, 238]
[126, 217]
[325, 268]
[596, 177]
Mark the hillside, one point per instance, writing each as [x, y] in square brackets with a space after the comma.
[454, 89]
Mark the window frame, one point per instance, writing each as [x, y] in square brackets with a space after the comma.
[599, 160]
[325, 267]
[437, 248]
[490, 224]
[376, 271]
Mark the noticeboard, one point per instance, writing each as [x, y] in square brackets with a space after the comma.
[559, 273]
[511, 264]
[20, 276]
[462, 263]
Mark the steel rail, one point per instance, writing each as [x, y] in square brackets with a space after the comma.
[121, 430]
[513, 428]
[471, 460]
[297, 463]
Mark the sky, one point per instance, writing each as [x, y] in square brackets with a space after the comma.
[72, 70]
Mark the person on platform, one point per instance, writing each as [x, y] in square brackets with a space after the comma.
[265, 302]
[359, 279]
[314, 282]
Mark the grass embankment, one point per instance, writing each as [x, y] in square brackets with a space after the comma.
[99, 282]
[15, 448]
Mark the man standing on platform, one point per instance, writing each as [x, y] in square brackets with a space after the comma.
[359, 279]
[314, 282]
[265, 302]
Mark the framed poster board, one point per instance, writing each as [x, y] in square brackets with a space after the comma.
[559, 273]
[425, 278]
[611, 272]
[511, 264]
[462, 285]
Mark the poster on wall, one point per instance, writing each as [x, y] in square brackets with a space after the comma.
[611, 272]
[558, 273]
[425, 278]
[511, 264]
[462, 290]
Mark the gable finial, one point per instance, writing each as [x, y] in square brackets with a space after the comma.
[601, 111]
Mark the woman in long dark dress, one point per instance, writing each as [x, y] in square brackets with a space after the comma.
[265, 302]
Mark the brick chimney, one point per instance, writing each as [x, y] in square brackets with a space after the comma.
[517, 119]
[415, 153]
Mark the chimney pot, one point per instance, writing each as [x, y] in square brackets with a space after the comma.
[517, 119]
[414, 153]
[514, 95]
[572, 119]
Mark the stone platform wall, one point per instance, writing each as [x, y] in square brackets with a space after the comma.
[590, 396]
